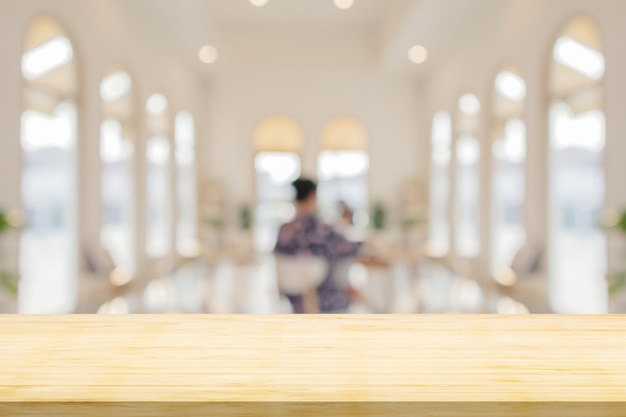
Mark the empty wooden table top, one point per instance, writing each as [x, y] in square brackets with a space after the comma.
[301, 366]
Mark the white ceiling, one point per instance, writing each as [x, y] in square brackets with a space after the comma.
[298, 15]
[388, 28]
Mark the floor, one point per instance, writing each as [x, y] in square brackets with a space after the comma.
[229, 288]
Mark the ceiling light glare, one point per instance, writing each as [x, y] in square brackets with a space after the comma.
[418, 54]
[258, 3]
[580, 58]
[469, 104]
[208, 54]
[156, 104]
[344, 4]
[511, 86]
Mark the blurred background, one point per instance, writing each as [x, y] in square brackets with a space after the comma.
[147, 149]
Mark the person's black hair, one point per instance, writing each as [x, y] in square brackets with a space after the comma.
[304, 188]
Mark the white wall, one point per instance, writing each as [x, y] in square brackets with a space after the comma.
[522, 32]
[386, 105]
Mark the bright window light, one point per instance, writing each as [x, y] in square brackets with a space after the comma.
[186, 225]
[468, 151]
[513, 147]
[185, 138]
[185, 130]
[344, 4]
[511, 86]
[113, 147]
[439, 227]
[47, 57]
[342, 164]
[156, 104]
[580, 58]
[343, 176]
[158, 150]
[274, 193]
[282, 168]
[441, 157]
[469, 104]
[258, 3]
[115, 86]
[42, 131]
[585, 131]
[442, 130]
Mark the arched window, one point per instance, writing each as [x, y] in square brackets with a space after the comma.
[117, 147]
[508, 136]
[159, 199]
[48, 246]
[467, 211]
[578, 249]
[441, 155]
[278, 142]
[342, 170]
[187, 226]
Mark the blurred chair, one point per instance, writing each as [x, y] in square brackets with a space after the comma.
[103, 279]
[301, 275]
[524, 280]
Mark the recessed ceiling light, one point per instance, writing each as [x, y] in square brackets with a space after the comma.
[418, 54]
[344, 4]
[208, 54]
[258, 3]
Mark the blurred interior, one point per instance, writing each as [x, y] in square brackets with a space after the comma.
[147, 149]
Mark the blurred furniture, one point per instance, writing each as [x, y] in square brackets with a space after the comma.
[525, 281]
[301, 275]
[101, 281]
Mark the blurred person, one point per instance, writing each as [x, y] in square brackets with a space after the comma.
[308, 236]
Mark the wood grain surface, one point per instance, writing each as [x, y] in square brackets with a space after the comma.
[313, 366]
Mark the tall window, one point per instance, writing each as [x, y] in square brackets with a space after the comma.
[578, 249]
[342, 170]
[159, 213]
[508, 133]
[187, 225]
[117, 140]
[48, 246]
[441, 155]
[278, 142]
[467, 227]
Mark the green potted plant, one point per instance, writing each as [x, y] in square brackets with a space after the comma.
[246, 220]
[212, 222]
[8, 280]
[617, 281]
[413, 221]
[379, 217]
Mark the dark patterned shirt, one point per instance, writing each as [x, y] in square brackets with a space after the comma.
[307, 236]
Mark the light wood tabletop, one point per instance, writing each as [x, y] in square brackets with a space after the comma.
[313, 366]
